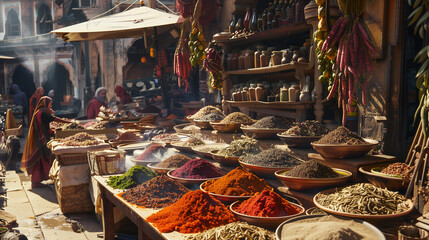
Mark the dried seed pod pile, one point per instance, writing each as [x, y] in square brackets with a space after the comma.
[235, 230]
[364, 198]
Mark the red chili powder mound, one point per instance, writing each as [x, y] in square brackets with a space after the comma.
[267, 204]
[197, 169]
[238, 182]
[195, 212]
[151, 151]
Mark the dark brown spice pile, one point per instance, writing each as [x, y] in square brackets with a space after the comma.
[159, 192]
[307, 128]
[272, 157]
[175, 161]
[273, 122]
[342, 136]
[312, 169]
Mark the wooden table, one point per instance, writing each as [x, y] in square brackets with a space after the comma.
[136, 214]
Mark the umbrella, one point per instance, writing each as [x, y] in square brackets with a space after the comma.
[127, 24]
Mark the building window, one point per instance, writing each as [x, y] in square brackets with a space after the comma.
[13, 25]
[44, 19]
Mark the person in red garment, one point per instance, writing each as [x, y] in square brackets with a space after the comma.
[123, 96]
[95, 104]
[37, 158]
[34, 99]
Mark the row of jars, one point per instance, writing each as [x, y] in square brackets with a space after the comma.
[278, 13]
[259, 92]
[264, 58]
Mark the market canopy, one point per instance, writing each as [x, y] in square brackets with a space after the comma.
[127, 24]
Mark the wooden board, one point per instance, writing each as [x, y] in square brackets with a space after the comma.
[67, 133]
[353, 164]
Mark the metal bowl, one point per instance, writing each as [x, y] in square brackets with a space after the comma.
[224, 160]
[344, 151]
[383, 180]
[224, 198]
[408, 202]
[225, 127]
[114, 143]
[159, 170]
[298, 141]
[312, 183]
[261, 171]
[179, 128]
[179, 146]
[261, 133]
[370, 227]
[265, 222]
[188, 181]
[197, 150]
[202, 124]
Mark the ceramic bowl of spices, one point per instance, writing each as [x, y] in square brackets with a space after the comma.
[188, 181]
[298, 141]
[195, 171]
[224, 160]
[336, 151]
[313, 183]
[262, 171]
[377, 175]
[224, 198]
[159, 170]
[185, 128]
[202, 124]
[266, 222]
[225, 127]
[323, 227]
[205, 150]
[261, 133]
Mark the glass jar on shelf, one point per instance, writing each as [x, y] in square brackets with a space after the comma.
[245, 94]
[260, 92]
[252, 92]
[276, 57]
[265, 58]
[241, 61]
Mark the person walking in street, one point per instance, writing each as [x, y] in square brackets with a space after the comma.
[37, 158]
[123, 95]
[98, 101]
[34, 99]
[20, 99]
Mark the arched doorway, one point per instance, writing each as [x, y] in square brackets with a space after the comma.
[58, 80]
[24, 79]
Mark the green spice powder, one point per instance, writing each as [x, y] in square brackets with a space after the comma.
[133, 177]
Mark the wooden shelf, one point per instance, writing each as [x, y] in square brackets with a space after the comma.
[272, 69]
[272, 105]
[286, 30]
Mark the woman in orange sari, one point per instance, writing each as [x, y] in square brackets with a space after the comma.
[33, 102]
[37, 158]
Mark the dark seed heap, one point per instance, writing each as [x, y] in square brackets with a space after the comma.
[312, 169]
[211, 117]
[307, 128]
[272, 157]
[273, 122]
[175, 161]
[158, 192]
[342, 136]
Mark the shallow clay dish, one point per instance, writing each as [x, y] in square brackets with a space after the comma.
[344, 151]
[312, 183]
[266, 222]
[298, 141]
[261, 133]
[188, 181]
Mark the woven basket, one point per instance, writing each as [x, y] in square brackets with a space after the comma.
[106, 162]
[74, 199]
[72, 158]
[13, 131]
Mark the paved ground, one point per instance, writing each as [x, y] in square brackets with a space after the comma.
[38, 214]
